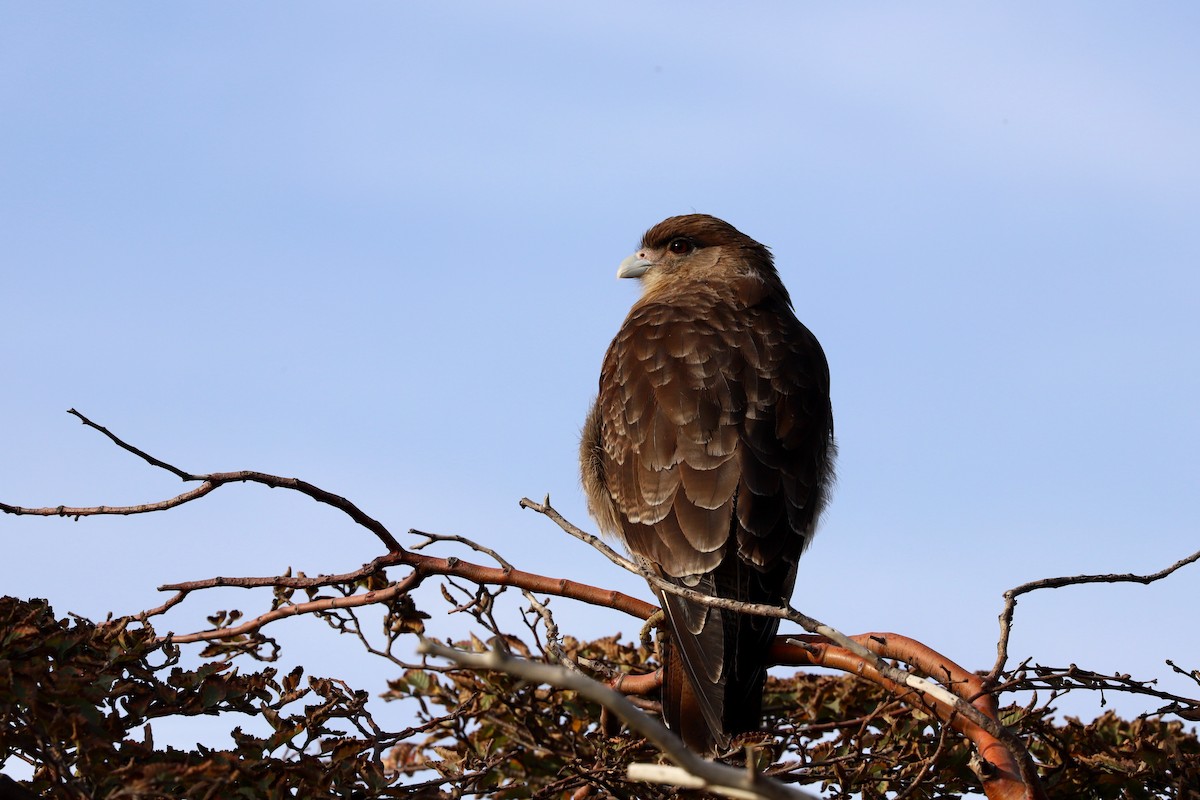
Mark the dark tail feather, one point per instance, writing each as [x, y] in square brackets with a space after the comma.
[714, 671]
[682, 708]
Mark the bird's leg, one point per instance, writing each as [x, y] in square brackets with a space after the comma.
[653, 621]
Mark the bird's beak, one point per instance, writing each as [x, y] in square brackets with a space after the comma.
[633, 266]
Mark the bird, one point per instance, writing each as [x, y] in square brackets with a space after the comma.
[709, 453]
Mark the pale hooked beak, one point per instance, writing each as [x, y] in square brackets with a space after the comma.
[633, 267]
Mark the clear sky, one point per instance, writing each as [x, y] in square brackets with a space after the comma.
[373, 246]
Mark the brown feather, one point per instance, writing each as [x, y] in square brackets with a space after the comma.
[709, 452]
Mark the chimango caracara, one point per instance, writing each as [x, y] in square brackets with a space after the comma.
[709, 452]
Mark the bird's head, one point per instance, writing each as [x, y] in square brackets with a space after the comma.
[699, 249]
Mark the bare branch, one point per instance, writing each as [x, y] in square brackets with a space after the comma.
[546, 510]
[423, 566]
[211, 482]
[312, 606]
[1010, 600]
[92, 511]
[1061, 680]
[806, 622]
[149, 459]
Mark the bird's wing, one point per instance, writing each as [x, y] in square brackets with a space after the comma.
[669, 409]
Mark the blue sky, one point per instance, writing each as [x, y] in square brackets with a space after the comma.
[373, 245]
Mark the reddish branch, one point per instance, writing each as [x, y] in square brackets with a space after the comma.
[1006, 771]
[637, 684]
[422, 566]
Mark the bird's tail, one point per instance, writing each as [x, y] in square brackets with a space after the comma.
[684, 710]
[714, 670]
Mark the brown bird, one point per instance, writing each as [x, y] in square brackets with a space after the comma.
[709, 453]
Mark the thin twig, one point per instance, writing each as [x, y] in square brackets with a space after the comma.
[1061, 680]
[545, 509]
[149, 459]
[553, 640]
[927, 764]
[1010, 600]
[312, 606]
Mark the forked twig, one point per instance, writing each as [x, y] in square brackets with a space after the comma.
[1010, 600]
[210, 481]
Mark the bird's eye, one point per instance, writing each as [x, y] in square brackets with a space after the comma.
[681, 246]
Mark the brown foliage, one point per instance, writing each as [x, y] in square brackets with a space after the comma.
[77, 701]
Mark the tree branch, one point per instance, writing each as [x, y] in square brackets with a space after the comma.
[1006, 772]
[708, 775]
[423, 566]
[1010, 600]
[149, 459]
[211, 482]
[545, 509]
